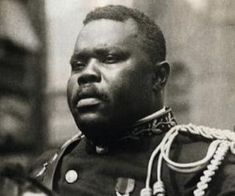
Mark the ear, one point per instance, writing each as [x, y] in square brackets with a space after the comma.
[161, 71]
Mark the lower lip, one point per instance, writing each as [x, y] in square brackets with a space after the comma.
[87, 102]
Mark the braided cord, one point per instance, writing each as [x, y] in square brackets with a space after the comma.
[186, 167]
[223, 140]
[207, 132]
[218, 157]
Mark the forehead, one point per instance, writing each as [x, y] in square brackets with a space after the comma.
[105, 33]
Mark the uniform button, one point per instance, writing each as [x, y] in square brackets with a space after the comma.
[71, 176]
[101, 150]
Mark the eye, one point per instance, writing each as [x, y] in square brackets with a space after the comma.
[111, 58]
[77, 65]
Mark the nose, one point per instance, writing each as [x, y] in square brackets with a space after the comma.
[91, 73]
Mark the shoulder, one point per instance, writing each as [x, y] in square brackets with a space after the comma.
[38, 167]
[195, 142]
[207, 150]
[49, 159]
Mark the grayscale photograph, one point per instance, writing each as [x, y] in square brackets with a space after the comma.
[117, 98]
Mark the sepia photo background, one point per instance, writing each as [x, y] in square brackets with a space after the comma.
[36, 42]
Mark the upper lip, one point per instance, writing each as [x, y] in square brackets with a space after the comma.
[87, 95]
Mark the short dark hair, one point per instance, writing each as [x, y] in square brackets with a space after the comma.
[154, 41]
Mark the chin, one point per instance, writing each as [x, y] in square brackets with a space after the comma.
[97, 128]
[91, 121]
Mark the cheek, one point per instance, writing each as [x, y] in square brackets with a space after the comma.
[137, 78]
[130, 85]
[71, 88]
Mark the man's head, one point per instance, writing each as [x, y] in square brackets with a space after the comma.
[151, 35]
[117, 75]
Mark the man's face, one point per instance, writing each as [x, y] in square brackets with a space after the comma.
[111, 83]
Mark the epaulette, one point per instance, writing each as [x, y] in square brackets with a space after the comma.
[45, 173]
[222, 141]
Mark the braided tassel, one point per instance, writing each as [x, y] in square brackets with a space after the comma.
[159, 189]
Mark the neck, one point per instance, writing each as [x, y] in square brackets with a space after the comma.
[161, 120]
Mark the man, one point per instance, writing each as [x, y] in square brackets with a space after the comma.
[115, 94]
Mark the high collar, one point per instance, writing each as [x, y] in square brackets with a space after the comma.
[160, 121]
[153, 124]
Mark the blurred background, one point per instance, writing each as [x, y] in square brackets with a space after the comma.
[36, 42]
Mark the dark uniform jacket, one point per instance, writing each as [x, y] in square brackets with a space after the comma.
[82, 169]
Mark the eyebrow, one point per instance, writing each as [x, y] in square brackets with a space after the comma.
[76, 56]
[82, 55]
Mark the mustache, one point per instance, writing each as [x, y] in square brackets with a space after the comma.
[90, 91]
